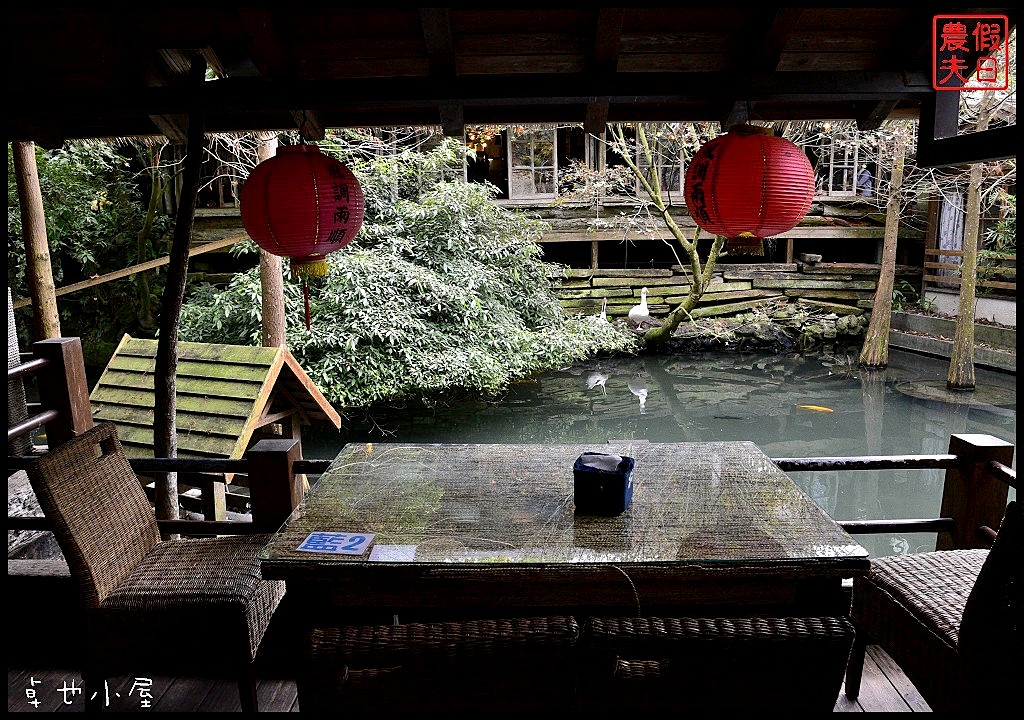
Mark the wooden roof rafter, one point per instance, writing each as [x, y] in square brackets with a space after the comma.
[387, 67]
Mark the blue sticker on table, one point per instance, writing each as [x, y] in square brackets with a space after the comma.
[337, 543]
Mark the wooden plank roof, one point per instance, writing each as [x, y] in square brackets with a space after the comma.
[224, 394]
[106, 72]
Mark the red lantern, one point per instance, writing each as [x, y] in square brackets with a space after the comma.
[749, 184]
[302, 204]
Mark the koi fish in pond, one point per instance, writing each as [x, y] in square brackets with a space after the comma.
[816, 408]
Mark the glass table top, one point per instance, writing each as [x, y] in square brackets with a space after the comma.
[486, 504]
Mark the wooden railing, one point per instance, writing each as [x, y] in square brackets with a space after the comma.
[59, 369]
[975, 490]
[976, 485]
[974, 495]
[1001, 277]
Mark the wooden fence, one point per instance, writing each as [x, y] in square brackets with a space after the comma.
[998, 274]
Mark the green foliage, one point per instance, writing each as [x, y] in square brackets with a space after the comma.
[94, 214]
[442, 290]
[905, 298]
[1001, 237]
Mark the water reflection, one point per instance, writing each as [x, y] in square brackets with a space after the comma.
[638, 386]
[774, 401]
[597, 378]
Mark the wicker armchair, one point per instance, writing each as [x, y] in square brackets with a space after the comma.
[472, 666]
[175, 607]
[667, 665]
[949, 618]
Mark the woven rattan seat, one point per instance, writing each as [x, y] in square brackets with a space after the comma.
[487, 666]
[659, 664]
[914, 606]
[183, 607]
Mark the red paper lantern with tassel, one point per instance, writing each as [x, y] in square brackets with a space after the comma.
[748, 185]
[302, 204]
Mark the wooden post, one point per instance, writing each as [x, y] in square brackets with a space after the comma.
[214, 497]
[45, 320]
[63, 387]
[971, 496]
[271, 277]
[165, 410]
[274, 491]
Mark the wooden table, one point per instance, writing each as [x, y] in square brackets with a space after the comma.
[478, 530]
[489, 526]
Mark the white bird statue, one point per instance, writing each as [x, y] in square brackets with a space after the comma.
[639, 313]
[602, 317]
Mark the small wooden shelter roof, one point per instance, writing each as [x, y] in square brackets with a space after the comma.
[224, 394]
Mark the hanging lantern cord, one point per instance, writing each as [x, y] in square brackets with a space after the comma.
[305, 298]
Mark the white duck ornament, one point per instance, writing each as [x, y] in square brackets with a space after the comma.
[639, 313]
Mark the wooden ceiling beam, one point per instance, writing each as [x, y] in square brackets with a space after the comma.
[875, 114]
[604, 62]
[680, 88]
[310, 124]
[767, 37]
[266, 56]
[596, 119]
[437, 36]
[939, 145]
[738, 113]
[173, 127]
[452, 117]
[607, 41]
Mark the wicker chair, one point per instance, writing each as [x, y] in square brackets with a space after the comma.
[660, 665]
[176, 607]
[472, 666]
[949, 618]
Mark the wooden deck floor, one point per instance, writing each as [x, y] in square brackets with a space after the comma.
[884, 689]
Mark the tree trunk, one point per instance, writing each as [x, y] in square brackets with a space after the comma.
[701, 272]
[271, 279]
[701, 280]
[875, 351]
[144, 247]
[45, 319]
[165, 442]
[272, 285]
[961, 361]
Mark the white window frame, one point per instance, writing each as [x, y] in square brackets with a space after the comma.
[841, 150]
[675, 192]
[533, 136]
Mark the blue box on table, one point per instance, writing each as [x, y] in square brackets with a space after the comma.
[602, 483]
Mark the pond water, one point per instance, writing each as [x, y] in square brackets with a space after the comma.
[789, 405]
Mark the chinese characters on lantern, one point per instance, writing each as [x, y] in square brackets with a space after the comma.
[969, 51]
[696, 203]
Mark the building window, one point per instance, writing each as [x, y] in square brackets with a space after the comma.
[532, 163]
[845, 164]
[667, 152]
[665, 141]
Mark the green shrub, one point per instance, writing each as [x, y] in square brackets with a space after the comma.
[442, 290]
